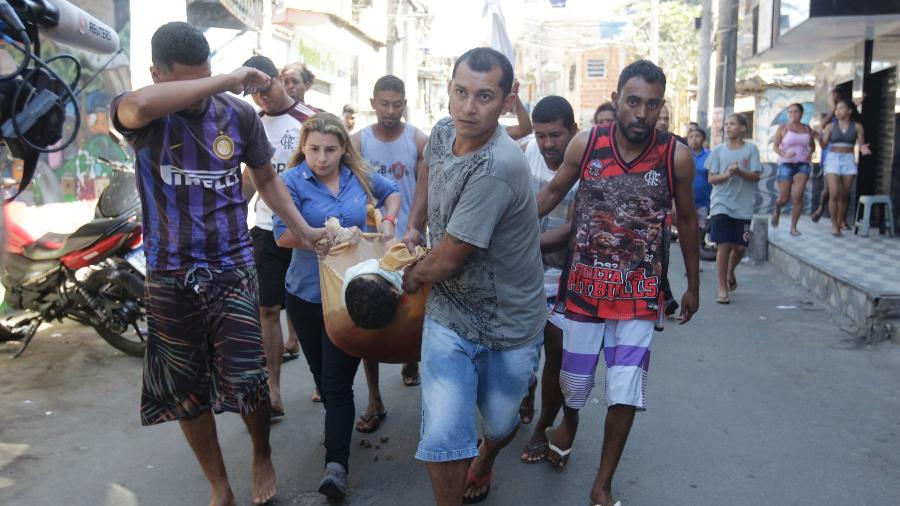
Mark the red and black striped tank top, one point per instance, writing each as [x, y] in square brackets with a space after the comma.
[619, 243]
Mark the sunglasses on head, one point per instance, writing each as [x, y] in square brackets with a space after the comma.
[253, 90]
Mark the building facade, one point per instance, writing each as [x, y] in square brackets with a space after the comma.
[855, 46]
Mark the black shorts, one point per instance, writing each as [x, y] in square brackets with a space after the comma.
[204, 349]
[725, 229]
[272, 264]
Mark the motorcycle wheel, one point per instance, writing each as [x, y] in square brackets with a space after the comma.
[708, 248]
[123, 293]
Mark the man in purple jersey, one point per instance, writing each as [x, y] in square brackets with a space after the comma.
[204, 351]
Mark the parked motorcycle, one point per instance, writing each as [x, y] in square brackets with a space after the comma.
[94, 275]
[707, 248]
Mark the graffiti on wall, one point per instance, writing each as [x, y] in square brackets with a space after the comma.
[77, 172]
[771, 112]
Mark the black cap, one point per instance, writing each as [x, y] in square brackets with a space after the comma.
[264, 65]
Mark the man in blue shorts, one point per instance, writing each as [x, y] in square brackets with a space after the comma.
[486, 310]
[204, 351]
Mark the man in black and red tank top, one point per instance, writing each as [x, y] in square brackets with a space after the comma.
[610, 289]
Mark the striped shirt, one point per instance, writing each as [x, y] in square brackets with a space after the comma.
[189, 179]
[283, 131]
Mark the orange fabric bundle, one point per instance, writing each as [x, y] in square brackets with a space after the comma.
[399, 342]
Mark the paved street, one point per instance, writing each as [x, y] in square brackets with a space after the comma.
[750, 404]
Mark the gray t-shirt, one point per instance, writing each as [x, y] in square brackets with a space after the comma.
[485, 199]
[735, 196]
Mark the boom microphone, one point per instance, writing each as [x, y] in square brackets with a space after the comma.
[67, 24]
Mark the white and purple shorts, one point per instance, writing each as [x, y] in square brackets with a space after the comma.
[626, 348]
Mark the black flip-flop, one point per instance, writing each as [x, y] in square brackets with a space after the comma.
[478, 482]
[290, 355]
[375, 419]
[532, 448]
[410, 380]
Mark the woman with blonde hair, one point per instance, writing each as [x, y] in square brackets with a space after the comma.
[329, 179]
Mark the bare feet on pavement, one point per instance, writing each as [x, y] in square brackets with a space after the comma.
[263, 480]
[222, 498]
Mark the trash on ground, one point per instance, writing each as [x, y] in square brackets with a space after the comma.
[785, 307]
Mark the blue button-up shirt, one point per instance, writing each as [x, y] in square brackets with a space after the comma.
[316, 203]
[702, 188]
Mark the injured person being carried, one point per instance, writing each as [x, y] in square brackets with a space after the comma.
[367, 314]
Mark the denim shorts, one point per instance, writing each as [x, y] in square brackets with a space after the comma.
[843, 164]
[787, 170]
[458, 376]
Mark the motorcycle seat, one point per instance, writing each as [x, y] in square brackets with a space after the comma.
[52, 245]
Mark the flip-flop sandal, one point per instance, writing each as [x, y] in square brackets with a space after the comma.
[723, 300]
[411, 381]
[290, 355]
[563, 454]
[276, 413]
[372, 422]
[477, 482]
[732, 285]
[530, 449]
[527, 418]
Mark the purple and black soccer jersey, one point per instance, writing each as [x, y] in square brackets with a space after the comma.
[189, 177]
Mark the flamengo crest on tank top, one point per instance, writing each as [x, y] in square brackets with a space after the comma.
[620, 236]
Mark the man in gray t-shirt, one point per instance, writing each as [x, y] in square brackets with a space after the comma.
[486, 309]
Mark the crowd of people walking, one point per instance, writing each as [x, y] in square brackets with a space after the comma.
[555, 246]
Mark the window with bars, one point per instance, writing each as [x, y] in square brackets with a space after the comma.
[596, 69]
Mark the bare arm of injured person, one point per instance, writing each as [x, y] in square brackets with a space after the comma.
[445, 260]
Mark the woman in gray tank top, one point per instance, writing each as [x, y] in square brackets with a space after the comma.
[840, 165]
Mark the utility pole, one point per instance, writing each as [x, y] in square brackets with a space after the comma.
[391, 38]
[264, 36]
[726, 67]
[703, 64]
[654, 31]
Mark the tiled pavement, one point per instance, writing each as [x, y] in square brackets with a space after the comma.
[871, 264]
[860, 276]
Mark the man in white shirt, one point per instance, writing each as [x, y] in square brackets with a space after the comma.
[282, 117]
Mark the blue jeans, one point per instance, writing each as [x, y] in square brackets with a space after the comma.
[458, 376]
[787, 170]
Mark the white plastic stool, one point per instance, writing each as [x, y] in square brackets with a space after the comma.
[862, 219]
